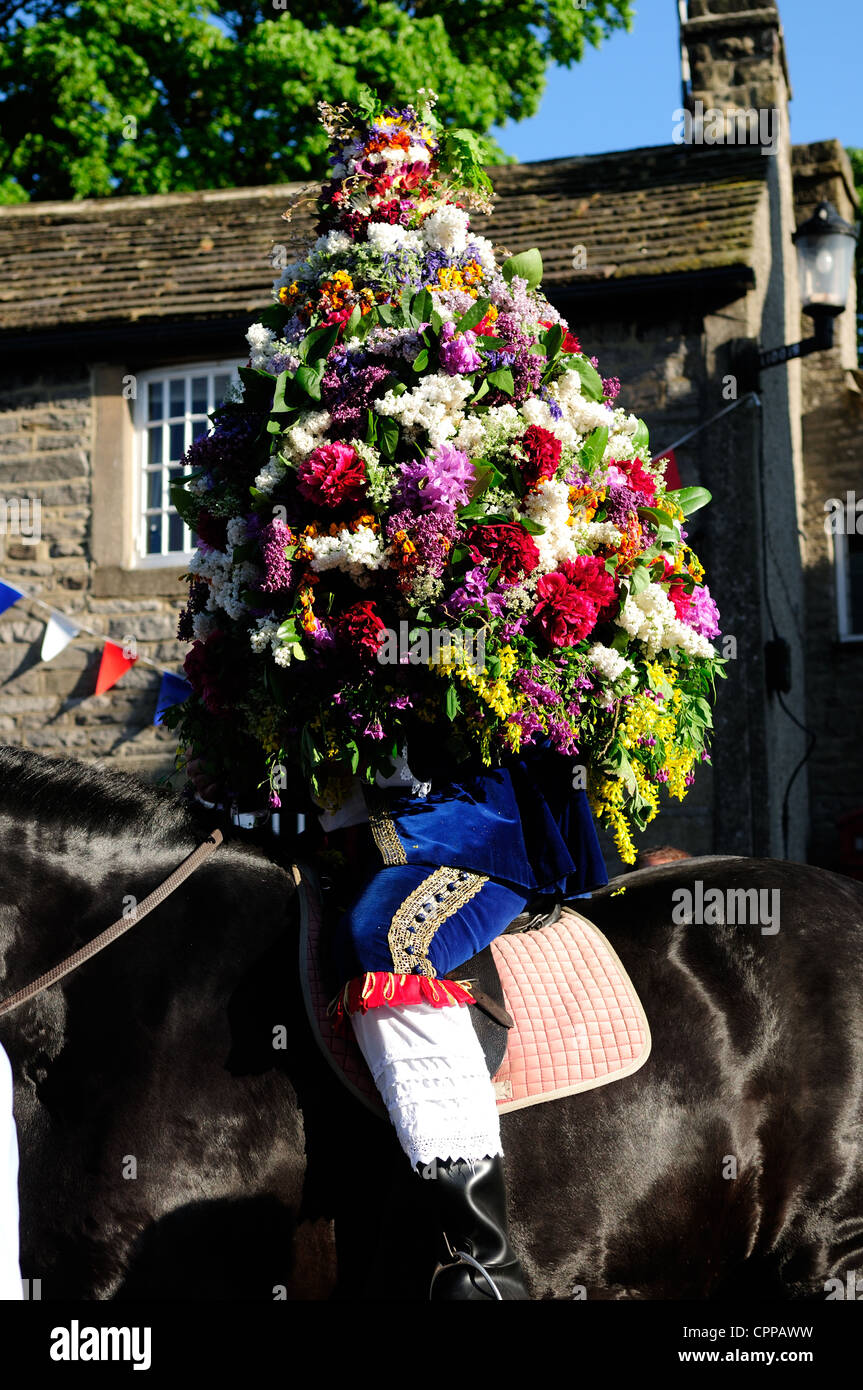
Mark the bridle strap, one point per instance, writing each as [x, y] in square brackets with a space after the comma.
[192, 862]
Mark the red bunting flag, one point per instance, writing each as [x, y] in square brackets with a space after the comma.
[112, 666]
[672, 473]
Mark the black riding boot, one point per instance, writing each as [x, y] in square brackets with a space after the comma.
[470, 1204]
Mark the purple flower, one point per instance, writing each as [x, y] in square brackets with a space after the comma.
[458, 354]
[432, 533]
[475, 592]
[347, 392]
[279, 571]
[438, 482]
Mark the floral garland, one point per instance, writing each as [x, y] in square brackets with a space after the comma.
[424, 511]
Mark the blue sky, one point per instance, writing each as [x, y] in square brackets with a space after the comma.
[623, 94]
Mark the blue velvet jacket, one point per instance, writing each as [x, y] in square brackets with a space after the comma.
[522, 824]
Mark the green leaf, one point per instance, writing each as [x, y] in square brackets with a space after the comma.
[656, 515]
[436, 322]
[452, 703]
[553, 338]
[279, 402]
[591, 381]
[422, 306]
[385, 314]
[527, 264]
[353, 321]
[482, 390]
[310, 378]
[690, 499]
[471, 317]
[534, 527]
[594, 448]
[641, 438]
[502, 379]
[421, 360]
[639, 580]
[274, 317]
[388, 436]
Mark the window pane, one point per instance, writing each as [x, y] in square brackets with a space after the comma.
[199, 395]
[220, 386]
[175, 532]
[178, 441]
[155, 406]
[154, 451]
[178, 395]
[855, 582]
[154, 489]
[199, 427]
[154, 535]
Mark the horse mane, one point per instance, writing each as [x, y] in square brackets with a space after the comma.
[63, 792]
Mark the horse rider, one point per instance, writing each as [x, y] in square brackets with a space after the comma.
[446, 859]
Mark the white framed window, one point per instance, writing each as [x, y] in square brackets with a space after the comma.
[848, 556]
[172, 407]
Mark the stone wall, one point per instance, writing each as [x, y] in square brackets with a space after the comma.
[46, 425]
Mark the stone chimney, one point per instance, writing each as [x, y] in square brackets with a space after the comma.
[734, 55]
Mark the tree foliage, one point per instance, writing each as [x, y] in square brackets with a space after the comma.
[98, 98]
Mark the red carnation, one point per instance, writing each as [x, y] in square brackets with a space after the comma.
[357, 630]
[639, 481]
[569, 599]
[507, 545]
[541, 450]
[333, 474]
[591, 576]
[564, 614]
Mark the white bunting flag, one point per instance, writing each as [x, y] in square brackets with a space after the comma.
[59, 631]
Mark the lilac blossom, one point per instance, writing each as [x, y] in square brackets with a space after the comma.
[458, 354]
[438, 482]
[279, 571]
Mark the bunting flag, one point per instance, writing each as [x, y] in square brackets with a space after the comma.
[672, 472]
[9, 595]
[59, 631]
[112, 666]
[172, 691]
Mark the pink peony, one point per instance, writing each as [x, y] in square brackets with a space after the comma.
[332, 475]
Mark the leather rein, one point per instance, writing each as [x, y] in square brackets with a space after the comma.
[192, 862]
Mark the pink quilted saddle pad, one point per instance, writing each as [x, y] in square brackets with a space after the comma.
[578, 1020]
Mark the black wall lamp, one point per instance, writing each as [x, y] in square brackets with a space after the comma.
[825, 260]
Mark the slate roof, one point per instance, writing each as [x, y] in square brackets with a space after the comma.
[195, 256]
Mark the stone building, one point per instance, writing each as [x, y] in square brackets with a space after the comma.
[121, 319]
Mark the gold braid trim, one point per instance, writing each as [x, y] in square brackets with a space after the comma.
[383, 830]
[423, 911]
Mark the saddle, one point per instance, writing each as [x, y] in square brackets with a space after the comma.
[556, 1012]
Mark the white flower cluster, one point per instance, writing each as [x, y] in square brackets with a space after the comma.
[262, 634]
[650, 617]
[224, 580]
[537, 412]
[584, 415]
[436, 404]
[387, 237]
[306, 435]
[357, 552]
[262, 345]
[446, 230]
[549, 505]
[269, 475]
[608, 663]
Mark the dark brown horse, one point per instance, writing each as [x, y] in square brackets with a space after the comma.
[181, 1138]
